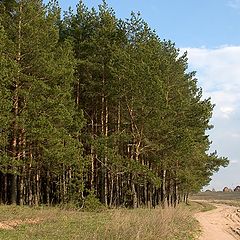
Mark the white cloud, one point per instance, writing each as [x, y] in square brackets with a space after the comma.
[218, 73]
[235, 4]
[227, 111]
[235, 135]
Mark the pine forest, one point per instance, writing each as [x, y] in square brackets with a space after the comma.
[93, 105]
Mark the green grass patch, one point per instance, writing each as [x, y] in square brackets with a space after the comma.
[55, 224]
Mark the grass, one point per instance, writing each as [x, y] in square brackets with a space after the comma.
[228, 198]
[235, 203]
[199, 206]
[55, 224]
[234, 196]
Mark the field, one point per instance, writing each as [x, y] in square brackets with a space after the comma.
[55, 223]
[217, 196]
[22, 223]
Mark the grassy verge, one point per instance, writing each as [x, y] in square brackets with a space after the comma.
[235, 203]
[201, 206]
[216, 196]
[54, 223]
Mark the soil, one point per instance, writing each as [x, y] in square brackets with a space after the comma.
[11, 224]
[222, 223]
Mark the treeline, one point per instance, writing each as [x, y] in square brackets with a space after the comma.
[92, 104]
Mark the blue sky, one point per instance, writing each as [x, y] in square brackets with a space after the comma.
[209, 31]
[192, 23]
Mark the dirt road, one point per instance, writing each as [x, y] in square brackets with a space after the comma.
[222, 223]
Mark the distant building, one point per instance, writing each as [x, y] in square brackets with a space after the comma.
[237, 189]
[226, 189]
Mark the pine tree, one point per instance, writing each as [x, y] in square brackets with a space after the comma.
[92, 104]
[44, 122]
[8, 67]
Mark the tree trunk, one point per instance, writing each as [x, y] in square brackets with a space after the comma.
[92, 159]
[23, 171]
[106, 156]
[163, 189]
[111, 192]
[48, 187]
[15, 153]
[135, 198]
[37, 187]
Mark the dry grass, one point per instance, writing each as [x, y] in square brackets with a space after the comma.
[228, 198]
[201, 206]
[221, 196]
[235, 203]
[154, 224]
[54, 223]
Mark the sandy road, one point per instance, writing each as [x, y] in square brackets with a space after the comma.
[222, 223]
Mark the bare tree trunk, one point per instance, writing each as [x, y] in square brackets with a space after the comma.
[70, 176]
[92, 159]
[186, 198]
[119, 117]
[176, 184]
[5, 185]
[21, 189]
[37, 187]
[118, 191]
[118, 186]
[135, 199]
[175, 193]
[163, 189]
[150, 201]
[146, 192]
[111, 192]
[15, 153]
[48, 187]
[29, 180]
[151, 188]
[64, 184]
[103, 169]
[106, 156]
[23, 172]
[104, 125]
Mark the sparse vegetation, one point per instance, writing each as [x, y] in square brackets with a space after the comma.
[211, 196]
[201, 206]
[235, 203]
[55, 223]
